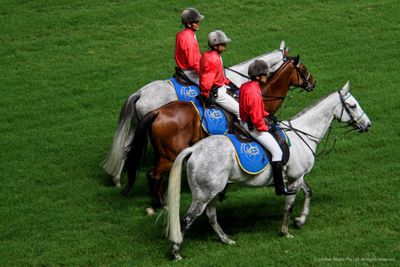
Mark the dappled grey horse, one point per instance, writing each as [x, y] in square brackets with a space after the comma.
[211, 164]
[159, 93]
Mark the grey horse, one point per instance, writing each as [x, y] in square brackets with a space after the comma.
[211, 164]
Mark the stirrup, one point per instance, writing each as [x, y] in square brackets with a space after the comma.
[285, 191]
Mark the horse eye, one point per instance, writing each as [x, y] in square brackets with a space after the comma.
[353, 106]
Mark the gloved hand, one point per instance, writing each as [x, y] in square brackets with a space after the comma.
[272, 118]
[205, 100]
[232, 87]
[214, 91]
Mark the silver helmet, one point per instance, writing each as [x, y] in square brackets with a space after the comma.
[217, 37]
[190, 15]
[258, 67]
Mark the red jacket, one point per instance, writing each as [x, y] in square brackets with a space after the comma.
[211, 72]
[187, 51]
[251, 106]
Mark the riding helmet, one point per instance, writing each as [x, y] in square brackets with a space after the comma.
[190, 15]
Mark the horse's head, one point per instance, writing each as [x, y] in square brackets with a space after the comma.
[351, 111]
[304, 78]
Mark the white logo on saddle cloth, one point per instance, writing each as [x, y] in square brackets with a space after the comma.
[251, 152]
[216, 116]
[189, 93]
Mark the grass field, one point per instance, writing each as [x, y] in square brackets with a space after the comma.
[68, 66]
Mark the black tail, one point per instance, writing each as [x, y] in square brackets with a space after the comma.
[137, 149]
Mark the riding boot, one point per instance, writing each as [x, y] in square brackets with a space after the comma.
[280, 188]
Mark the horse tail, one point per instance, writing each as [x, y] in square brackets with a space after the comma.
[137, 149]
[127, 117]
[173, 197]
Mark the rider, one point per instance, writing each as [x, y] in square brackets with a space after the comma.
[252, 116]
[187, 51]
[212, 77]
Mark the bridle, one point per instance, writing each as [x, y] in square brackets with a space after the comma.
[352, 122]
[305, 77]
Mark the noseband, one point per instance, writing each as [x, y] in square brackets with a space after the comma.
[300, 74]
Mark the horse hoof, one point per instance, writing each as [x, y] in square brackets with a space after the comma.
[177, 257]
[298, 223]
[150, 211]
[231, 242]
[287, 235]
[228, 241]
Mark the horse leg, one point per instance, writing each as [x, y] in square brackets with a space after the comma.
[300, 221]
[289, 204]
[196, 208]
[117, 178]
[155, 180]
[211, 212]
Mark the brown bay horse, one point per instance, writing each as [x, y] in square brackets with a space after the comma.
[177, 126]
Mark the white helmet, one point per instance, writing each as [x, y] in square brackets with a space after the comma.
[217, 37]
[190, 15]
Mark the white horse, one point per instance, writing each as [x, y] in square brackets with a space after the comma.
[212, 164]
[159, 93]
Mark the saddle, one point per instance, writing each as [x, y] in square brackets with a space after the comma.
[243, 135]
[181, 77]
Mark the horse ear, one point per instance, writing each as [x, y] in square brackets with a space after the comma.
[282, 46]
[346, 88]
[286, 52]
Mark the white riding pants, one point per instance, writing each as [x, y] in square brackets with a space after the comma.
[227, 102]
[266, 140]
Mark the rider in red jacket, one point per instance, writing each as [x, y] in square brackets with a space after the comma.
[212, 77]
[187, 51]
[252, 115]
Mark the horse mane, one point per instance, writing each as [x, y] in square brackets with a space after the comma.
[310, 106]
[257, 57]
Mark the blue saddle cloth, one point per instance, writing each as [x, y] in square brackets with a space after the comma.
[213, 120]
[251, 156]
[185, 93]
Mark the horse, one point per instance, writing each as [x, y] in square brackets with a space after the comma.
[157, 94]
[211, 164]
[177, 125]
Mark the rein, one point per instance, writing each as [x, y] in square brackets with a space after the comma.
[353, 121]
[237, 72]
[297, 132]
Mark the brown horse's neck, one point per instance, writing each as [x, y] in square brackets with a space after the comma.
[277, 87]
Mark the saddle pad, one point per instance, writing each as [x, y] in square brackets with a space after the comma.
[213, 120]
[185, 93]
[251, 156]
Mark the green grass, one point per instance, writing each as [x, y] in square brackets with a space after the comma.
[68, 66]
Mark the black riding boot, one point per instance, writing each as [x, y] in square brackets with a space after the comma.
[280, 188]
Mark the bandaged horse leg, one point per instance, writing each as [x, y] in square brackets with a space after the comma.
[211, 212]
[300, 221]
[195, 210]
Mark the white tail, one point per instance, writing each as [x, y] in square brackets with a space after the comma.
[174, 196]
